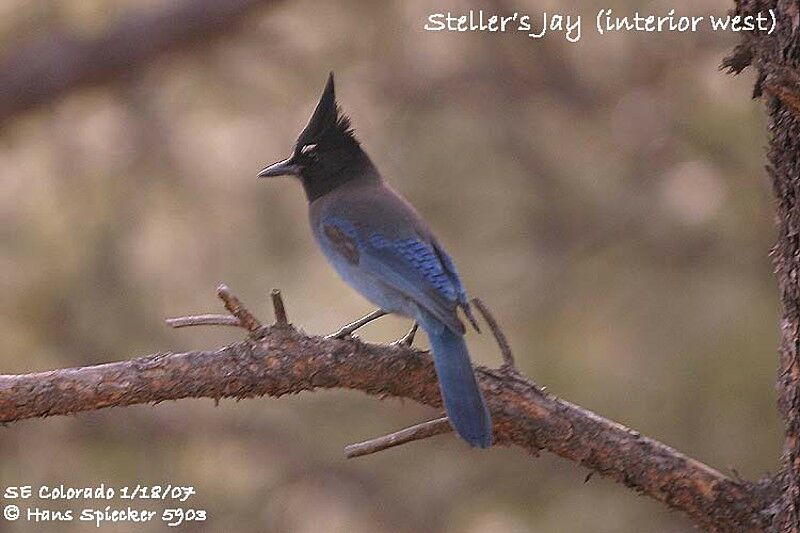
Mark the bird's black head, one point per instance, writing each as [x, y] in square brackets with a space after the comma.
[327, 153]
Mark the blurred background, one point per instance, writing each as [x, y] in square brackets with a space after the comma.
[606, 198]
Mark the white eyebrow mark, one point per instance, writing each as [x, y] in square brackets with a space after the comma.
[308, 148]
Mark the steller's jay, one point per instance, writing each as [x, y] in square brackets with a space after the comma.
[379, 245]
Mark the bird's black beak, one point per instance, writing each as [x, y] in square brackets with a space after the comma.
[287, 167]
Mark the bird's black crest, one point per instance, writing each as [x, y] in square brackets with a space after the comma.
[327, 153]
[328, 124]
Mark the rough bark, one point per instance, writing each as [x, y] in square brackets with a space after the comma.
[286, 361]
[776, 59]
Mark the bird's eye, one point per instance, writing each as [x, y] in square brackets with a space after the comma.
[307, 149]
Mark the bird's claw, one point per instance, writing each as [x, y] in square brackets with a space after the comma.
[343, 333]
[408, 339]
[347, 330]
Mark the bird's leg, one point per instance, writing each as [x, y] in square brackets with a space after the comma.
[348, 330]
[408, 339]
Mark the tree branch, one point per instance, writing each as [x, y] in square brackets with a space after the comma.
[280, 310]
[47, 68]
[245, 317]
[499, 335]
[283, 360]
[203, 320]
[421, 431]
[776, 60]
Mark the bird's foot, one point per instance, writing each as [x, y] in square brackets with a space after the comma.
[347, 331]
[408, 339]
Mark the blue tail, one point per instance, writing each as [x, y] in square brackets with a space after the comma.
[462, 398]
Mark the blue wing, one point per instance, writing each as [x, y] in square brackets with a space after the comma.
[452, 273]
[417, 268]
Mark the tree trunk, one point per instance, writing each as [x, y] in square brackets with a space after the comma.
[776, 58]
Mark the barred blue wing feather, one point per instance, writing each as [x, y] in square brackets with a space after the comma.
[452, 274]
[422, 259]
[409, 265]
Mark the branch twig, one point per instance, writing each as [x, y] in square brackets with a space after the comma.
[241, 318]
[421, 431]
[203, 320]
[497, 331]
[280, 310]
[235, 307]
